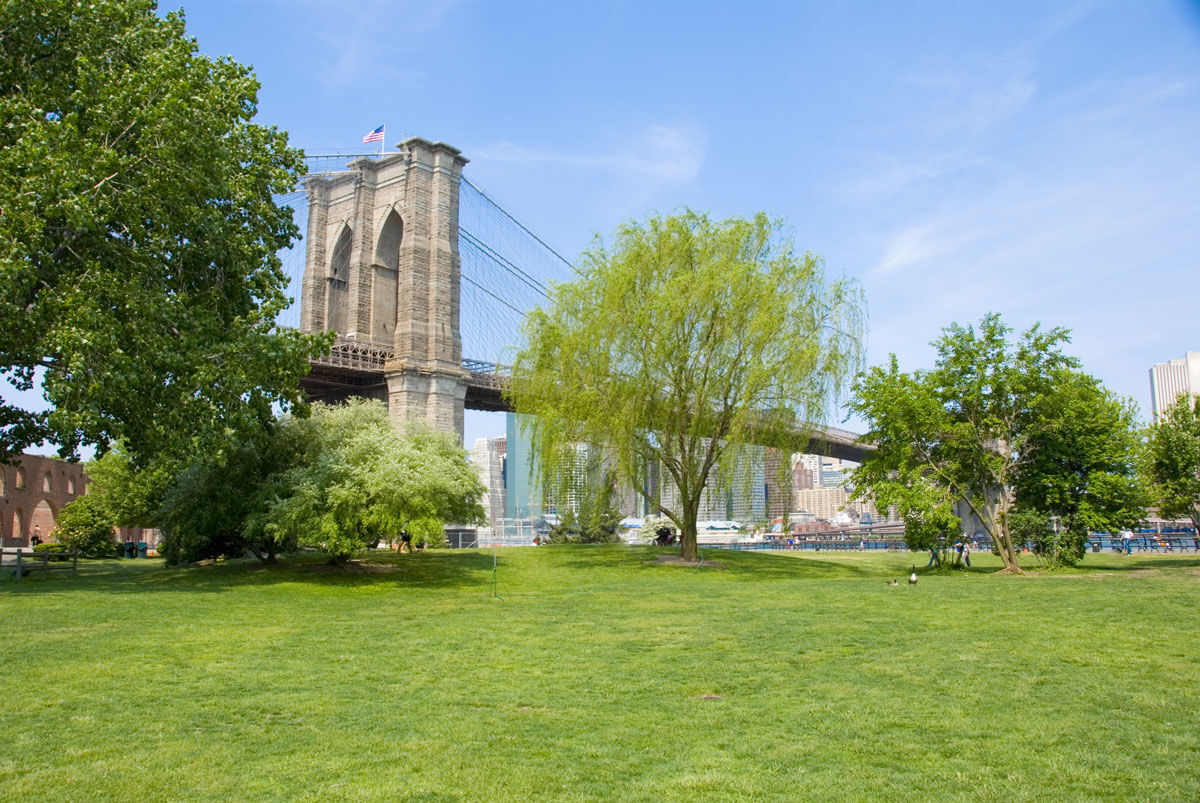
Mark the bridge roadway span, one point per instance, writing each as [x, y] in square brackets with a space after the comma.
[357, 368]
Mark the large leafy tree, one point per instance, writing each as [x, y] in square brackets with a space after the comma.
[995, 421]
[1081, 473]
[361, 481]
[138, 276]
[130, 493]
[338, 481]
[680, 345]
[1173, 458]
[208, 510]
[85, 526]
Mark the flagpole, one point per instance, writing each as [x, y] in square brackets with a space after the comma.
[383, 141]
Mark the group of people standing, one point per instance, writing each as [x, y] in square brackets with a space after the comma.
[962, 550]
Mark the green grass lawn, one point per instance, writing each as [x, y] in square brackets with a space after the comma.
[602, 675]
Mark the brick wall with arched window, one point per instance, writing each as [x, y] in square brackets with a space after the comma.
[25, 505]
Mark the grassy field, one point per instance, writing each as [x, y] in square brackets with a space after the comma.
[595, 673]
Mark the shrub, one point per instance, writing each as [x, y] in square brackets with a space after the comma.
[56, 551]
[85, 525]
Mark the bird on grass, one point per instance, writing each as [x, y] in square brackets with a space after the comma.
[893, 582]
[912, 578]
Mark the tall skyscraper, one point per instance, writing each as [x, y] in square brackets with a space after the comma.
[523, 499]
[488, 457]
[1170, 379]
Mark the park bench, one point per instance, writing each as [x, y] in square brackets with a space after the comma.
[23, 561]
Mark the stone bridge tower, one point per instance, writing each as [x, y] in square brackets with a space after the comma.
[382, 270]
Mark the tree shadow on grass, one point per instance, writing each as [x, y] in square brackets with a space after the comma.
[1134, 563]
[782, 567]
[761, 566]
[1104, 563]
[433, 569]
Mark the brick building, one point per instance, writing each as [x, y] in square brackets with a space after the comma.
[33, 493]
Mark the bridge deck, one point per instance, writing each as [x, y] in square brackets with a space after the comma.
[355, 368]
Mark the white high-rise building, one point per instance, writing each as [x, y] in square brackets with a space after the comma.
[1170, 379]
[806, 472]
[488, 456]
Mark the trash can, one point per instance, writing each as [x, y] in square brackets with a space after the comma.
[143, 548]
[1096, 547]
[129, 549]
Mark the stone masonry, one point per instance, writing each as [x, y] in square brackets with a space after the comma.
[382, 266]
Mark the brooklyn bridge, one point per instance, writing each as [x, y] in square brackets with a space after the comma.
[414, 266]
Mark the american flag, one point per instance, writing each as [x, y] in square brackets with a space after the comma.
[374, 136]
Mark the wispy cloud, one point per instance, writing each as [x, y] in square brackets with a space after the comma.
[661, 155]
[885, 174]
[960, 112]
[370, 37]
[624, 173]
[597, 181]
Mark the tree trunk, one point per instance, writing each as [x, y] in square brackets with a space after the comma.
[687, 533]
[1008, 554]
[687, 542]
[996, 510]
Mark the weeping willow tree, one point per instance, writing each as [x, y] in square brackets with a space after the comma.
[682, 344]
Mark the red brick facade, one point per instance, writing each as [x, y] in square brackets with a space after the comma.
[33, 493]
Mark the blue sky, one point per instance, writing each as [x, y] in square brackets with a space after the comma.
[1037, 159]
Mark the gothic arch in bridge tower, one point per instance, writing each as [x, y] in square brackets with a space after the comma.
[382, 270]
[339, 282]
[385, 281]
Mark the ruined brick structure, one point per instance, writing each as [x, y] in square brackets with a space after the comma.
[32, 493]
[382, 269]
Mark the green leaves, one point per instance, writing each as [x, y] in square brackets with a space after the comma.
[1173, 461]
[138, 234]
[360, 481]
[339, 480]
[1081, 468]
[682, 339]
[997, 423]
[85, 525]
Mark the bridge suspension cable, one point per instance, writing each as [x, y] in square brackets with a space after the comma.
[518, 223]
[507, 270]
[501, 261]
